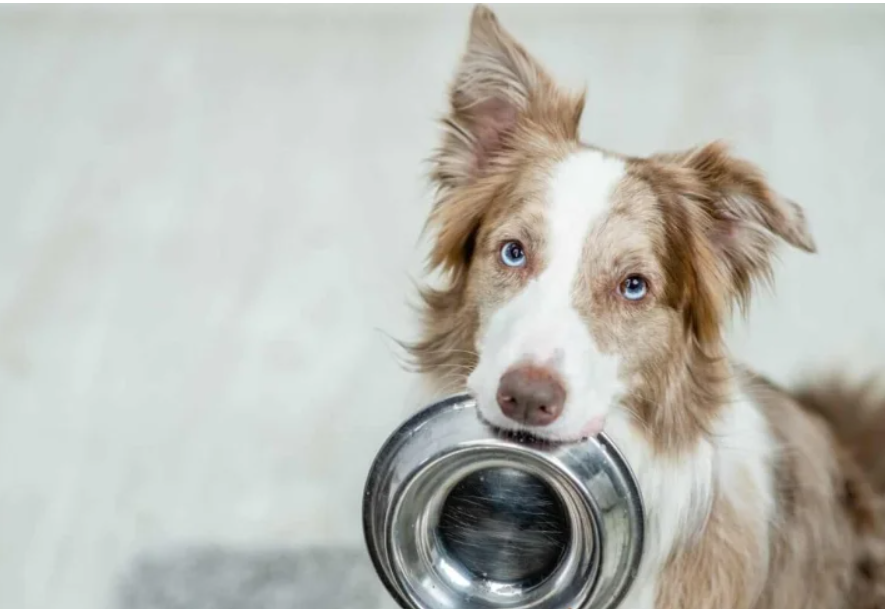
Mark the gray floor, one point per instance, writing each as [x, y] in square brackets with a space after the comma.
[209, 219]
[223, 578]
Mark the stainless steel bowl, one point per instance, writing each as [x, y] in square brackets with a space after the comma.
[459, 515]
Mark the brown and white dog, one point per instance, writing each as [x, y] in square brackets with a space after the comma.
[586, 289]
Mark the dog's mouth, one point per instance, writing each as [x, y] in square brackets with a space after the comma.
[536, 438]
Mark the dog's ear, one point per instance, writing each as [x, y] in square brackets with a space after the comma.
[497, 89]
[744, 216]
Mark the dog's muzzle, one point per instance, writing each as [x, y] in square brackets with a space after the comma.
[458, 515]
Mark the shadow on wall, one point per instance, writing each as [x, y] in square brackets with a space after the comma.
[214, 577]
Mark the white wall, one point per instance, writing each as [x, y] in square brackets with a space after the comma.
[209, 217]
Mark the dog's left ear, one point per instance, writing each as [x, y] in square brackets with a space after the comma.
[741, 216]
[745, 217]
[741, 198]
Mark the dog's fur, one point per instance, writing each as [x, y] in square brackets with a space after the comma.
[755, 498]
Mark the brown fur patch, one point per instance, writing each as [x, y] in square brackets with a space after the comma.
[695, 277]
[856, 412]
[828, 539]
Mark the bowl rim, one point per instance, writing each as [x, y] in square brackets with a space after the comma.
[617, 474]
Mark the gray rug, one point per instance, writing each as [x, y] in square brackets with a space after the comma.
[229, 578]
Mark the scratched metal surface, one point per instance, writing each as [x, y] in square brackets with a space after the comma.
[206, 213]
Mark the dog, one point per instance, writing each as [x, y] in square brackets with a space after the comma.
[586, 290]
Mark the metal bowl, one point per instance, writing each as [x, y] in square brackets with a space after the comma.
[459, 515]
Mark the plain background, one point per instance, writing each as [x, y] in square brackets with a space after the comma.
[210, 217]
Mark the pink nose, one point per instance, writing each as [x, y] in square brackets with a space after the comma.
[531, 395]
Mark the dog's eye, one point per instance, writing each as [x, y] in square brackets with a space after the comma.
[512, 254]
[634, 287]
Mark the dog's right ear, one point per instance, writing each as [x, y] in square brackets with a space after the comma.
[497, 89]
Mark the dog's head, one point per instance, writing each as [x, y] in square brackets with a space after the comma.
[579, 280]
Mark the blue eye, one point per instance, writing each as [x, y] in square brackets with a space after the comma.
[512, 254]
[634, 287]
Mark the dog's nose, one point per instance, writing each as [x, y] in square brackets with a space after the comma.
[531, 395]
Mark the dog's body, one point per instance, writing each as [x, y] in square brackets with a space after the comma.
[587, 289]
